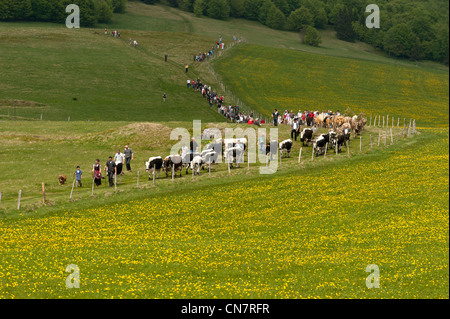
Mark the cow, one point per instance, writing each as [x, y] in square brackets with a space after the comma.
[339, 121]
[339, 141]
[174, 161]
[271, 149]
[210, 158]
[216, 147]
[357, 124]
[332, 137]
[196, 163]
[187, 159]
[306, 136]
[234, 154]
[326, 137]
[320, 145]
[286, 146]
[153, 165]
[347, 131]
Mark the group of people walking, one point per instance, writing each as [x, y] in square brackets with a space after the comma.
[113, 167]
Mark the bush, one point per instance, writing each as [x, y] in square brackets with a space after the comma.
[312, 36]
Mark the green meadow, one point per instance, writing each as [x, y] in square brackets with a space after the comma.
[307, 231]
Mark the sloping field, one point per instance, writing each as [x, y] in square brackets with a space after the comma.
[308, 233]
[291, 80]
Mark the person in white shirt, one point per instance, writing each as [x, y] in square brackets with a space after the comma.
[294, 129]
[119, 159]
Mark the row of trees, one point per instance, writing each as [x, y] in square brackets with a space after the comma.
[412, 29]
[91, 11]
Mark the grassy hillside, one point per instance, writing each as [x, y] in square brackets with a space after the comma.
[286, 79]
[87, 75]
[308, 231]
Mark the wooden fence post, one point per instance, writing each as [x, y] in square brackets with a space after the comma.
[370, 120]
[73, 186]
[383, 122]
[379, 137]
[20, 197]
[387, 120]
[229, 169]
[325, 154]
[173, 172]
[43, 193]
[300, 155]
[392, 137]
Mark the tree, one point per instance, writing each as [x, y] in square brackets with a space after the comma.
[252, 9]
[276, 19]
[199, 7]
[237, 8]
[264, 10]
[299, 19]
[312, 36]
[119, 6]
[318, 12]
[344, 28]
[103, 10]
[218, 9]
[399, 40]
[283, 6]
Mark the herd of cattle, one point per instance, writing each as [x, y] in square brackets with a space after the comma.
[340, 129]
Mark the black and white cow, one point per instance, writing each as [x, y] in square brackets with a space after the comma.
[174, 161]
[196, 163]
[187, 160]
[347, 131]
[306, 136]
[216, 147]
[286, 146]
[341, 139]
[320, 145]
[272, 149]
[332, 138]
[153, 164]
[210, 158]
[234, 154]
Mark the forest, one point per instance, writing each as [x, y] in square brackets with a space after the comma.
[417, 30]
